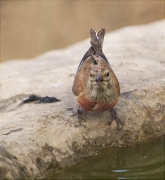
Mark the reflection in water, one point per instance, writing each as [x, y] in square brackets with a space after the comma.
[140, 161]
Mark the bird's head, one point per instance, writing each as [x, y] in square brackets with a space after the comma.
[100, 84]
[99, 77]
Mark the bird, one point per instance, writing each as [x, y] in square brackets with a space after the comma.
[96, 86]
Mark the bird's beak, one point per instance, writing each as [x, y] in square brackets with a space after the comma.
[99, 79]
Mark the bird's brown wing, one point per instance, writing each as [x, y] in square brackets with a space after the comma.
[115, 81]
[90, 52]
[82, 76]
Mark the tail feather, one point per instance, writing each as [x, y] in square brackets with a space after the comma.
[97, 39]
[100, 37]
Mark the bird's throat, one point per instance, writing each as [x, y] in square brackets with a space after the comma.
[101, 94]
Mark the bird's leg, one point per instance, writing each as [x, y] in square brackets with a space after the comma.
[117, 119]
[79, 115]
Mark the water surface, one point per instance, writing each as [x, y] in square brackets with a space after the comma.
[139, 161]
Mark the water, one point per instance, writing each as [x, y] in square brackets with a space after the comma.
[140, 161]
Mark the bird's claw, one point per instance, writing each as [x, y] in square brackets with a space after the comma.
[117, 119]
[79, 115]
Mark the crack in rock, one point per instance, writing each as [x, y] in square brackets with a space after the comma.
[15, 130]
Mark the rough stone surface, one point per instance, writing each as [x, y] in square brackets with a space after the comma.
[36, 138]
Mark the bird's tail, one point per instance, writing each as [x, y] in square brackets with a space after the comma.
[97, 42]
[96, 46]
[97, 39]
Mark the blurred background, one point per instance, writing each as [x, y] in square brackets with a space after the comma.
[29, 28]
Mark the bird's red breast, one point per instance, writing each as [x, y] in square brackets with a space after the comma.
[88, 104]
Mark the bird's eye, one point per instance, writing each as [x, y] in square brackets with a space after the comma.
[91, 75]
[107, 74]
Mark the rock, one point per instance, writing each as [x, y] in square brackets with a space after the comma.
[36, 138]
